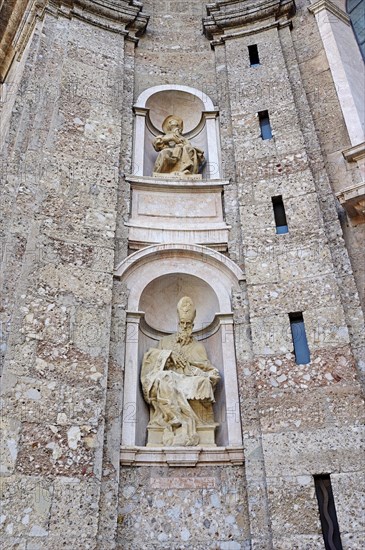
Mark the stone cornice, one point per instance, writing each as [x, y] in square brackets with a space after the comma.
[19, 18]
[355, 153]
[329, 6]
[18, 21]
[224, 14]
[247, 32]
[123, 16]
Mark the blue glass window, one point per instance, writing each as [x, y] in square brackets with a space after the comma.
[253, 52]
[280, 216]
[265, 126]
[301, 349]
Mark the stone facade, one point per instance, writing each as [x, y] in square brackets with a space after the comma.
[73, 324]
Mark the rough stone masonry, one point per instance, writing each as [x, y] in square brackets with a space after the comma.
[71, 72]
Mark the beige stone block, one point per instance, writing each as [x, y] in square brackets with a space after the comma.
[298, 542]
[315, 452]
[345, 406]
[71, 495]
[89, 286]
[217, 502]
[271, 334]
[293, 505]
[292, 410]
[40, 401]
[9, 444]
[26, 505]
[348, 493]
[352, 541]
[292, 296]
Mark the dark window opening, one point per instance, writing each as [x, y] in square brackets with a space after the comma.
[301, 349]
[280, 216]
[265, 126]
[253, 52]
[327, 512]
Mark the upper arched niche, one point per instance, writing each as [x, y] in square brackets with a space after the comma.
[200, 125]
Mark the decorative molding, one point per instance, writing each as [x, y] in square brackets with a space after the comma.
[148, 182]
[181, 456]
[353, 201]
[248, 32]
[17, 30]
[202, 334]
[321, 5]
[184, 251]
[146, 94]
[355, 153]
[119, 16]
[224, 15]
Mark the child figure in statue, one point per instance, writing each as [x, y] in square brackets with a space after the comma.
[176, 154]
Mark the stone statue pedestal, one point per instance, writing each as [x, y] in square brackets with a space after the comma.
[205, 432]
[205, 427]
[178, 176]
[185, 210]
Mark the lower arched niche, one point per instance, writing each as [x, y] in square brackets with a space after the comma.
[158, 304]
[156, 278]
[160, 297]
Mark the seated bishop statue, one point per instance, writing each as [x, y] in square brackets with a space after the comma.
[178, 384]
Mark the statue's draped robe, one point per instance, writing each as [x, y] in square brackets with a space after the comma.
[182, 157]
[168, 389]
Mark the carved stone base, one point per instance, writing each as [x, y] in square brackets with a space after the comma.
[205, 433]
[181, 456]
[178, 175]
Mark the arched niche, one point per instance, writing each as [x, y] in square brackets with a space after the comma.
[156, 278]
[200, 125]
[159, 294]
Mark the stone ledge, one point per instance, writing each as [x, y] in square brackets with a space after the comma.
[355, 153]
[353, 201]
[321, 5]
[181, 456]
[174, 183]
[121, 16]
[223, 15]
[19, 23]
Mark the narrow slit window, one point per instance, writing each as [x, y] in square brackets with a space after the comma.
[301, 349]
[280, 216]
[327, 512]
[265, 125]
[253, 52]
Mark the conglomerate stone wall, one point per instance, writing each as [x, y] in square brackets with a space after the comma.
[60, 195]
[65, 203]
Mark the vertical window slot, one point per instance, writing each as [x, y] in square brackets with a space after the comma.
[327, 512]
[301, 349]
[280, 216]
[253, 52]
[265, 125]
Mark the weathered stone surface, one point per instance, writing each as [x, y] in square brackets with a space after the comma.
[174, 508]
[70, 74]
